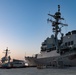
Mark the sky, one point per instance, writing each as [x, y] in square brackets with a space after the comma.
[23, 24]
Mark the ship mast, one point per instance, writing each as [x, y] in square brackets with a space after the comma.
[55, 24]
[6, 57]
[6, 52]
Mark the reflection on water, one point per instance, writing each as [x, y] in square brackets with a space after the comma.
[35, 71]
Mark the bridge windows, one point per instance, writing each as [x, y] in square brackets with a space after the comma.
[72, 42]
[69, 43]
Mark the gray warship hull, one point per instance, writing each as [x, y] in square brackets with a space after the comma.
[57, 61]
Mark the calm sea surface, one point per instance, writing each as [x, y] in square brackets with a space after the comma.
[35, 71]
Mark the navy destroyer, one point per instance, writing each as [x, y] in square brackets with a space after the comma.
[7, 62]
[56, 51]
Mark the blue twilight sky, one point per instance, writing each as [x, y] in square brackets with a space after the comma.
[23, 24]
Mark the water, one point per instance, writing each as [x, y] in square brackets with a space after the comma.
[35, 71]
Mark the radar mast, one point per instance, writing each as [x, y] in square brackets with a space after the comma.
[56, 23]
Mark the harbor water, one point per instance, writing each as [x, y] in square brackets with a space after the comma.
[35, 71]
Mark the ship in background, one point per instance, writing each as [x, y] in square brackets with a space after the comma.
[56, 51]
[7, 62]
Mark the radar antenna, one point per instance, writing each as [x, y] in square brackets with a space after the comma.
[56, 23]
[6, 52]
